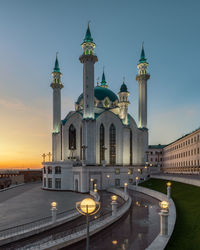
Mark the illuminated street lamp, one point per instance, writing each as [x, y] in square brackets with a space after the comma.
[125, 187]
[114, 205]
[92, 180]
[164, 217]
[108, 178]
[54, 211]
[87, 207]
[169, 190]
[137, 180]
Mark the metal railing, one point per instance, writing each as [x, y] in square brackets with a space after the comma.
[19, 229]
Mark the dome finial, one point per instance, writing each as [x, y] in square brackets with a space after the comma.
[56, 67]
[123, 87]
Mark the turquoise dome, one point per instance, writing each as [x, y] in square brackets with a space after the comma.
[101, 93]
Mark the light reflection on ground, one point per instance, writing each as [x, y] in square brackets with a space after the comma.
[136, 230]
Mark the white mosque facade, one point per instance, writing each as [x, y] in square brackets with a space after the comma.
[99, 142]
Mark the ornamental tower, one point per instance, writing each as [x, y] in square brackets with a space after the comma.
[88, 59]
[123, 103]
[56, 86]
[142, 78]
[103, 81]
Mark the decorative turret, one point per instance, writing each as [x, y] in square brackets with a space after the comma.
[123, 103]
[103, 81]
[142, 78]
[56, 86]
[88, 59]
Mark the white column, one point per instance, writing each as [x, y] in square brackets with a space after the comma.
[164, 222]
[54, 214]
[168, 192]
[114, 208]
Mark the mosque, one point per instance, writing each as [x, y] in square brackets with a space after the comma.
[98, 143]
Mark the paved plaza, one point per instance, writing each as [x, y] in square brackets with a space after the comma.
[29, 202]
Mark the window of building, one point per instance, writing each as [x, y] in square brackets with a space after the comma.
[58, 183]
[117, 182]
[44, 169]
[112, 144]
[49, 170]
[131, 147]
[72, 137]
[49, 182]
[44, 182]
[81, 157]
[102, 143]
[117, 171]
[57, 170]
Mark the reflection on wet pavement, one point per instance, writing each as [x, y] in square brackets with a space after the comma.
[136, 230]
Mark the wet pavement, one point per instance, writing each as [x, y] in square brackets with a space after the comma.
[66, 228]
[29, 202]
[136, 230]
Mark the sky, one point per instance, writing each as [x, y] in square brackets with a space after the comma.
[32, 31]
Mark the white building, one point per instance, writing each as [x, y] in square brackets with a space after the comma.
[183, 155]
[99, 140]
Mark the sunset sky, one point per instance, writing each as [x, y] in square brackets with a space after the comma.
[32, 31]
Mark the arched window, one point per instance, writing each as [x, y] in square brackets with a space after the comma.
[81, 143]
[112, 144]
[102, 143]
[131, 147]
[72, 137]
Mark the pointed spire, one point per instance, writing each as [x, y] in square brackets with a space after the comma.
[103, 80]
[88, 37]
[123, 87]
[56, 67]
[142, 57]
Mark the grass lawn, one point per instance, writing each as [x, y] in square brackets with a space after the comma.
[186, 233]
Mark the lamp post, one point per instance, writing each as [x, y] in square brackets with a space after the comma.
[92, 180]
[164, 217]
[169, 190]
[125, 187]
[108, 178]
[87, 207]
[114, 204]
[54, 211]
[137, 180]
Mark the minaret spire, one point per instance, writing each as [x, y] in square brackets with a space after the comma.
[103, 80]
[142, 78]
[56, 67]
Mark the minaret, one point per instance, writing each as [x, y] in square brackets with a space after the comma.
[56, 86]
[88, 59]
[142, 78]
[103, 81]
[123, 103]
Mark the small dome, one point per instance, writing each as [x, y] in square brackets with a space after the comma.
[123, 88]
[100, 94]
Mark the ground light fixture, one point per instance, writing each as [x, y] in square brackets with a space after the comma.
[169, 184]
[164, 205]
[87, 207]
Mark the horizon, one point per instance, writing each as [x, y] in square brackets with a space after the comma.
[32, 34]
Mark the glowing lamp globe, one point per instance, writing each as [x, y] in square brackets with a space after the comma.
[125, 184]
[136, 178]
[169, 184]
[108, 176]
[53, 204]
[95, 190]
[164, 205]
[114, 197]
[88, 206]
